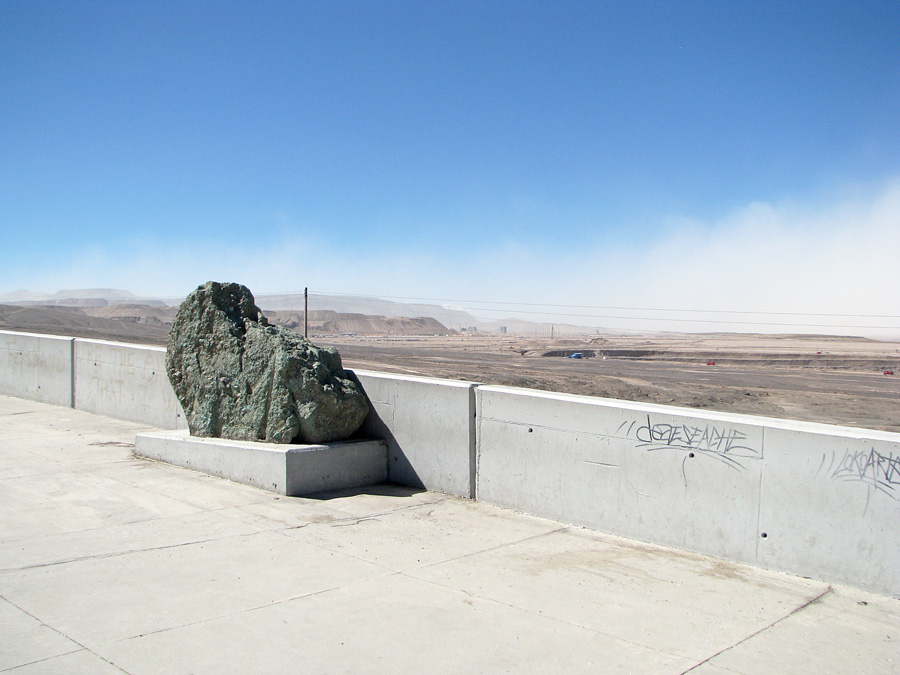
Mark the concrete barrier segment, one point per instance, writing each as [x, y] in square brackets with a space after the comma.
[126, 381]
[830, 507]
[804, 498]
[37, 367]
[429, 426]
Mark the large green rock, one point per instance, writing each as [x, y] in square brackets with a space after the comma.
[238, 377]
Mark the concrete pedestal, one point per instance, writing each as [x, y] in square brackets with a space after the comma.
[283, 468]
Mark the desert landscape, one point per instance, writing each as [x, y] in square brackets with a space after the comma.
[837, 380]
[813, 378]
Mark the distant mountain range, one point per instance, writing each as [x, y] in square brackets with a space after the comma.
[82, 297]
[342, 304]
[356, 314]
[455, 319]
[75, 322]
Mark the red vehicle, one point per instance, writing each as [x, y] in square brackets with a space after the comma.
[888, 372]
[710, 363]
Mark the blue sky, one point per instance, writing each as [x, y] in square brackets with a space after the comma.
[720, 155]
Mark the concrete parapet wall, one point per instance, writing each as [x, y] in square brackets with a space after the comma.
[429, 425]
[36, 367]
[115, 379]
[830, 505]
[596, 463]
[808, 499]
[125, 381]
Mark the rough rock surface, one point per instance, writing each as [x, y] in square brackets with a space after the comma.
[238, 377]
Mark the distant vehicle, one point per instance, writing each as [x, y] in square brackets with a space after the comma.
[710, 363]
[888, 372]
[575, 355]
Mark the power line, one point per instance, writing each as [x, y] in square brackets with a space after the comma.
[713, 321]
[461, 305]
[617, 308]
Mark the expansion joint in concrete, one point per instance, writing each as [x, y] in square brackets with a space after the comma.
[119, 554]
[482, 551]
[81, 647]
[353, 520]
[759, 498]
[247, 610]
[806, 604]
[72, 372]
[48, 658]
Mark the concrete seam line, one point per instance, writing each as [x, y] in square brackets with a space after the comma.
[72, 372]
[67, 637]
[759, 493]
[349, 520]
[256, 608]
[761, 630]
[117, 554]
[549, 617]
[490, 548]
[476, 460]
[473, 441]
[46, 658]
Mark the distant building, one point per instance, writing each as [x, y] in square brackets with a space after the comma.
[503, 329]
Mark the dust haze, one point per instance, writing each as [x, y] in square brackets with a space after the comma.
[778, 262]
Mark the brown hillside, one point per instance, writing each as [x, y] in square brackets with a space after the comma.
[327, 322]
[75, 322]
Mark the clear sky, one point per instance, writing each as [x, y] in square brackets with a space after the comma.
[712, 155]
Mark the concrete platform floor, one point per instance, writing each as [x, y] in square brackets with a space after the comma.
[111, 564]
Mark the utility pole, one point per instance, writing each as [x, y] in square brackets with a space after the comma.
[306, 313]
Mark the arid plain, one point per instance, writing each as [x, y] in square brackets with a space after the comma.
[814, 378]
[836, 380]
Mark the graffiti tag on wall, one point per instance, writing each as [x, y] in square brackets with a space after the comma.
[723, 443]
[878, 471]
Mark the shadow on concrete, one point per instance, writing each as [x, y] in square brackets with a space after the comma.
[373, 427]
[379, 490]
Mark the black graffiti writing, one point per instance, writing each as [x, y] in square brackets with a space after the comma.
[723, 443]
[880, 471]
